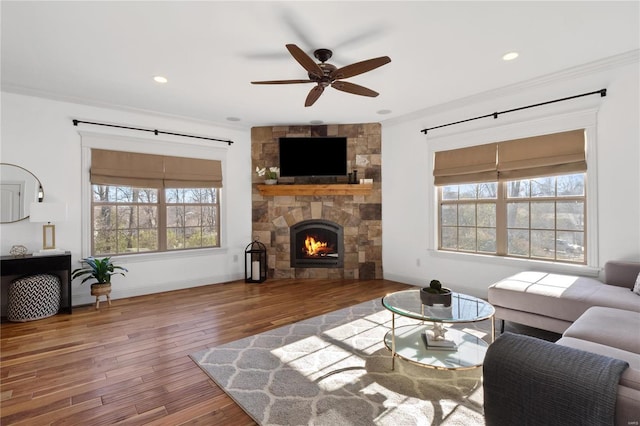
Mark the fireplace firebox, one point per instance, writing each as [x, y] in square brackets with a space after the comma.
[317, 243]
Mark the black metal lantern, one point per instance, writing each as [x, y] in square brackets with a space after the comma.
[255, 262]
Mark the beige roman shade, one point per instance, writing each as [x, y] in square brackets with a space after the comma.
[126, 168]
[546, 155]
[557, 153]
[180, 172]
[466, 165]
[155, 171]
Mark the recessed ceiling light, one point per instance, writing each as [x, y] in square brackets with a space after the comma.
[384, 111]
[233, 119]
[160, 79]
[510, 56]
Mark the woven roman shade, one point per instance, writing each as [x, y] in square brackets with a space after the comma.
[180, 172]
[546, 155]
[126, 168]
[466, 165]
[153, 171]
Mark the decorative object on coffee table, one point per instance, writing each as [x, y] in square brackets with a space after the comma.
[439, 331]
[435, 294]
[101, 270]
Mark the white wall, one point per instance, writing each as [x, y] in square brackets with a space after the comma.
[38, 134]
[409, 253]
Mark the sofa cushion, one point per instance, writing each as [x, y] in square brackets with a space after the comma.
[559, 296]
[608, 326]
[615, 297]
[553, 295]
[621, 273]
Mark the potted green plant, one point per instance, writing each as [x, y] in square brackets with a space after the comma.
[435, 294]
[100, 270]
[270, 176]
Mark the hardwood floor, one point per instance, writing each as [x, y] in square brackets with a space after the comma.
[129, 363]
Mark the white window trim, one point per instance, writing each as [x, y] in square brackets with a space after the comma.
[196, 149]
[582, 119]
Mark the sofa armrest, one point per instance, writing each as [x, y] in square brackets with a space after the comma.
[621, 273]
[529, 378]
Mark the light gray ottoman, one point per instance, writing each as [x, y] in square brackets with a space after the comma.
[33, 297]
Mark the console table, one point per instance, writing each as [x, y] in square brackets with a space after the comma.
[29, 265]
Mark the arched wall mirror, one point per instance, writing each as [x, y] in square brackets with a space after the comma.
[18, 189]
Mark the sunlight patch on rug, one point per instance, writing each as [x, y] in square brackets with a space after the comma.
[334, 369]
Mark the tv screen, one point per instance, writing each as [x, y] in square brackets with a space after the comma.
[318, 156]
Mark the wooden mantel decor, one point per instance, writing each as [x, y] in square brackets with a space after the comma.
[309, 189]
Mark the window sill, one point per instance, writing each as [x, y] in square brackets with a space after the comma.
[524, 264]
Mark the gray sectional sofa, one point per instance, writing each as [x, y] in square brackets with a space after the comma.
[596, 317]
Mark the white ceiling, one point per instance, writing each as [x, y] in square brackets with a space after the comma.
[106, 53]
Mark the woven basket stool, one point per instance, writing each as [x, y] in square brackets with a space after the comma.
[33, 297]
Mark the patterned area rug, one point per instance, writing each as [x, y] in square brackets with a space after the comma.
[335, 370]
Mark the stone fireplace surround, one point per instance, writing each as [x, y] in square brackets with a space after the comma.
[359, 215]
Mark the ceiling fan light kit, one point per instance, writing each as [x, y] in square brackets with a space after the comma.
[324, 74]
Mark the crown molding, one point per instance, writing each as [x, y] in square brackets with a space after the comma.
[568, 74]
[28, 91]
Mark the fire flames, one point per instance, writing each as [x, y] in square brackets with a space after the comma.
[316, 248]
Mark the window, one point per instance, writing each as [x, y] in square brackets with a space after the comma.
[524, 198]
[124, 220]
[541, 218]
[468, 218]
[192, 218]
[150, 203]
[130, 220]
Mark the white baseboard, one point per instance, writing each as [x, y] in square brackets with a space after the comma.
[476, 292]
[82, 295]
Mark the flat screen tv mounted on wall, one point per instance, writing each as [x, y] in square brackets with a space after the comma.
[313, 156]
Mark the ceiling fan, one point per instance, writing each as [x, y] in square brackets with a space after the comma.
[324, 74]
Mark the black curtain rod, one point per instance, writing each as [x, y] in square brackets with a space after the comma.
[155, 131]
[602, 92]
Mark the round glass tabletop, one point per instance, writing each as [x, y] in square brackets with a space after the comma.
[463, 308]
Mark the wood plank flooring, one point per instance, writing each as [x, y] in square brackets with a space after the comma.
[129, 363]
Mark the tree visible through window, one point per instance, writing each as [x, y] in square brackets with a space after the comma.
[520, 198]
[153, 203]
[192, 218]
[127, 219]
[538, 218]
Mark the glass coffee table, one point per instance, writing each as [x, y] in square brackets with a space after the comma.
[408, 341]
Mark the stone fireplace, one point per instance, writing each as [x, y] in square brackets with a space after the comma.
[316, 243]
[358, 216]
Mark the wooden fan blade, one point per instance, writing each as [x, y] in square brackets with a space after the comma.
[282, 81]
[359, 67]
[313, 95]
[356, 89]
[305, 60]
